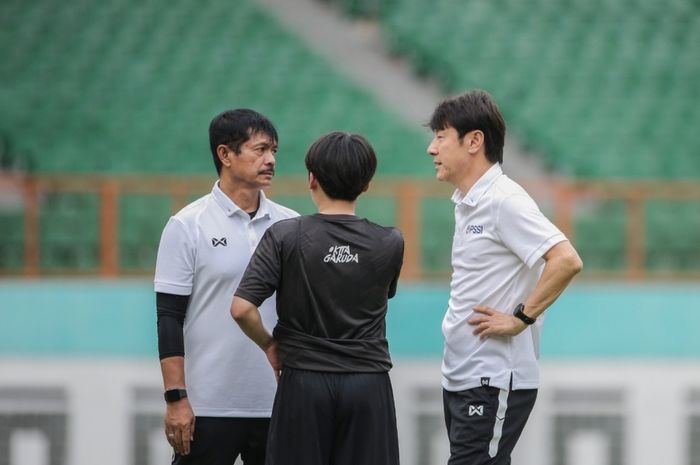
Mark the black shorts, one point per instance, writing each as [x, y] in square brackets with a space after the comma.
[219, 441]
[484, 423]
[322, 418]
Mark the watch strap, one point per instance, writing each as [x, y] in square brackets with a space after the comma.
[519, 314]
[173, 395]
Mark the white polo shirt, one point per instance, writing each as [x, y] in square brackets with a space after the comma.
[203, 252]
[499, 240]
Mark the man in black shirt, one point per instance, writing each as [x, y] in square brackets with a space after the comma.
[333, 273]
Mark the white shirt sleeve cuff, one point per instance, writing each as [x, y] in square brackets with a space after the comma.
[171, 288]
[543, 249]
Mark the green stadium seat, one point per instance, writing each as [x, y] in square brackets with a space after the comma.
[673, 244]
[12, 243]
[381, 210]
[141, 221]
[69, 234]
[437, 229]
[600, 237]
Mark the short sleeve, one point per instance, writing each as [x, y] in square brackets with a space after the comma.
[398, 261]
[176, 260]
[262, 276]
[525, 230]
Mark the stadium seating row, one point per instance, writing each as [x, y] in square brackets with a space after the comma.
[125, 87]
[598, 88]
[606, 90]
[131, 87]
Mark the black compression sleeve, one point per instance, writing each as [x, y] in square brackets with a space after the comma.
[171, 309]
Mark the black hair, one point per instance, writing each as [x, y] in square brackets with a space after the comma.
[234, 127]
[343, 164]
[475, 109]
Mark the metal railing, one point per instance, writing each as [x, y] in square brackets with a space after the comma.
[558, 197]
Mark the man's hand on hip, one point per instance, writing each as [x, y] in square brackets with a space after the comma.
[273, 358]
[490, 322]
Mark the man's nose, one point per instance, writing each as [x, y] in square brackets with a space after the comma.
[432, 149]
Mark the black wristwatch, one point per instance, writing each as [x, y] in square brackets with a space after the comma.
[519, 314]
[173, 395]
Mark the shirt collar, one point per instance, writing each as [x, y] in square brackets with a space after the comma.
[230, 208]
[478, 190]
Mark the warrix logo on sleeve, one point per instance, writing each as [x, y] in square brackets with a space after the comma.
[340, 254]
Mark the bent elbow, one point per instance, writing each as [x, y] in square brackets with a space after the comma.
[574, 264]
[238, 316]
[242, 310]
[567, 258]
[238, 310]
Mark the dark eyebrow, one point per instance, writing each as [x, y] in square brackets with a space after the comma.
[264, 144]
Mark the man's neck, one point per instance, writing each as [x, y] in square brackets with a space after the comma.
[336, 207]
[245, 197]
[473, 174]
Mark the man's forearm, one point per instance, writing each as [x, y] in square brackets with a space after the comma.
[248, 318]
[562, 264]
[173, 370]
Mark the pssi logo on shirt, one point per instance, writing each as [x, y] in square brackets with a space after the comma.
[340, 254]
[216, 242]
[474, 229]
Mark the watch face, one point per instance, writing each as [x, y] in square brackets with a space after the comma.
[173, 395]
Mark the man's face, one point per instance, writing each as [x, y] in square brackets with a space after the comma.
[450, 155]
[254, 165]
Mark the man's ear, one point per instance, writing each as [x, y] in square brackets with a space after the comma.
[313, 182]
[223, 152]
[474, 140]
[366, 188]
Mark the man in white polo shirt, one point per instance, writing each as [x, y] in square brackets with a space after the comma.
[509, 264]
[219, 387]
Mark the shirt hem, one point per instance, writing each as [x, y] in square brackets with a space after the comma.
[500, 384]
[212, 412]
[525, 385]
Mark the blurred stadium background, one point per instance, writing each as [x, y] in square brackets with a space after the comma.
[104, 108]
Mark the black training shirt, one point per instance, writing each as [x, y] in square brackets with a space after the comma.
[333, 275]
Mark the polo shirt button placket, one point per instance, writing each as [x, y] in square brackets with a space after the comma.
[252, 237]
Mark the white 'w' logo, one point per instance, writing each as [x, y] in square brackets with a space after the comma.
[340, 254]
